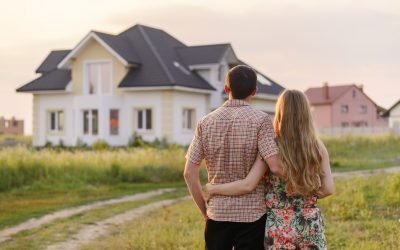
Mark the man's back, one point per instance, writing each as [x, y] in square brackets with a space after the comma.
[229, 140]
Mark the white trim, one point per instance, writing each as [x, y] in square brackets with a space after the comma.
[203, 66]
[178, 88]
[82, 44]
[49, 92]
[99, 87]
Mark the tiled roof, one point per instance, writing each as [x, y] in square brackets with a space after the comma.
[156, 59]
[317, 96]
[54, 80]
[52, 60]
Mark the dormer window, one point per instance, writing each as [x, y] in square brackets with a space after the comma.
[263, 80]
[97, 78]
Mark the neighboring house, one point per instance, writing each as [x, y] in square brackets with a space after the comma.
[394, 117]
[345, 106]
[142, 80]
[11, 126]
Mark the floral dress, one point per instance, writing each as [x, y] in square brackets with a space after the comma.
[293, 222]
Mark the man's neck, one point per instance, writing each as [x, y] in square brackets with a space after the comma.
[247, 99]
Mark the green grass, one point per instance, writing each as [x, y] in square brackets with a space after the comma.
[363, 152]
[34, 201]
[61, 229]
[363, 214]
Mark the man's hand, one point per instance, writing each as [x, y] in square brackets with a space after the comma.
[192, 180]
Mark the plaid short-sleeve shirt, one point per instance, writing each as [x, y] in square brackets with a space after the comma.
[229, 139]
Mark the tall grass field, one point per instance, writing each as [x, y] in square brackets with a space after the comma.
[23, 166]
[364, 213]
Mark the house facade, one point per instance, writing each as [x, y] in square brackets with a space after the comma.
[11, 126]
[141, 81]
[345, 107]
[393, 114]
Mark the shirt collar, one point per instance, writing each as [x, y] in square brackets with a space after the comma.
[235, 103]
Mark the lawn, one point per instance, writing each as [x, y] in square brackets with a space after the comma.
[364, 213]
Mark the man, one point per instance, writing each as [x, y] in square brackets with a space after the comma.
[229, 139]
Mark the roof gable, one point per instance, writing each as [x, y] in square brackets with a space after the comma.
[117, 47]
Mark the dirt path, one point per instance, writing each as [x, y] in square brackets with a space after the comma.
[365, 173]
[100, 228]
[37, 222]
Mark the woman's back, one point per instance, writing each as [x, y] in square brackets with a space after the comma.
[293, 222]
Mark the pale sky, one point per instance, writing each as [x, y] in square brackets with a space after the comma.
[298, 43]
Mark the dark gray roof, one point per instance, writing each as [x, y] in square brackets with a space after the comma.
[52, 60]
[121, 45]
[54, 80]
[156, 59]
[160, 65]
[386, 113]
[202, 54]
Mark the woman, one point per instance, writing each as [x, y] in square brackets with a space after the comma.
[293, 218]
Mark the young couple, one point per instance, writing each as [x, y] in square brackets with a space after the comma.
[264, 178]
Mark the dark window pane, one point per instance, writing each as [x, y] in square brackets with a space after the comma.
[52, 121]
[148, 118]
[86, 122]
[95, 122]
[140, 119]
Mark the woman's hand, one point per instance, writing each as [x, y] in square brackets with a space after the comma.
[209, 189]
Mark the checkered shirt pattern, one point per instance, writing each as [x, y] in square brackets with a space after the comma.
[229, 139]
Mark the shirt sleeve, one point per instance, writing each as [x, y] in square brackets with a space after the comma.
[266, 139]
[195, 153]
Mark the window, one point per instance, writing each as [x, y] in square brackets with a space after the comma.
[114, 121]
[354, 94]
[344, 108]
[144, 119]
[188, 119]
[98, 78]
[90, 122]
[56, 121]
[345, 124]
[363, 109]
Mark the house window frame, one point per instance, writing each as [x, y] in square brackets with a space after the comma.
[86, 86]
[344, 108]
[90, 122]
[59, 124]
[185, 120]
[144, 128]
[363, 109]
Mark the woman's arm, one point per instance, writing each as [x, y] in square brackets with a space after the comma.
[241, 186]
[327, 186]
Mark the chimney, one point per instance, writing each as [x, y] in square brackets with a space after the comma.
[325, 90]
[361, 87]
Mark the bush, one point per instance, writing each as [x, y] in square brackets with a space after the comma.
[100, 145]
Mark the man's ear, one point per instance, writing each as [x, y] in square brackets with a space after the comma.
[254, 92]
[227, 89]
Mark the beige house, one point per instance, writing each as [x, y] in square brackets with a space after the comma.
[11, 126]
[142, 80]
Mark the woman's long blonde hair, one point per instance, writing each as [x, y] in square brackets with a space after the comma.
[298, 143]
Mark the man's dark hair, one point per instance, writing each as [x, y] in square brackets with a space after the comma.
[242, 80]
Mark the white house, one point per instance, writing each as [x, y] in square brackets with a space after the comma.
[142, 80]
[394, 117]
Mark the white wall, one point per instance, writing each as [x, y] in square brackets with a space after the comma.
[198, 102]
[48, 102]
[394, 119]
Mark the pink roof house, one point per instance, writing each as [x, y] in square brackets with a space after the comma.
[344, 106]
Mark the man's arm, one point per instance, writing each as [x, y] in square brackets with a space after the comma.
[268, 148]
[192, 180]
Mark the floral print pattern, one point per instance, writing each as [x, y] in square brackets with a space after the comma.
[293, 222]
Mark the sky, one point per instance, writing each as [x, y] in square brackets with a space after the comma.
[297, 43]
